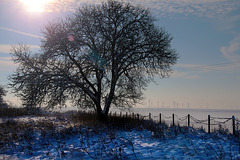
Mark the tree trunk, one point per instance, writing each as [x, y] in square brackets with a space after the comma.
[102, 117]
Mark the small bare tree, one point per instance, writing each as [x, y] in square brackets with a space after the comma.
[103, 55]
[2, 94]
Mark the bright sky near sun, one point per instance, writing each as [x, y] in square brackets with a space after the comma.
[35, 5]
[206, 33]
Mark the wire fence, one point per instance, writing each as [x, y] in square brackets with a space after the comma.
[210, 124]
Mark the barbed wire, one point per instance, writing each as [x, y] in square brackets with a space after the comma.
[219, 118]
[184, 118]
[214, 121]
[219, 123]
[226, 120]
[166, 116]
[197, 120]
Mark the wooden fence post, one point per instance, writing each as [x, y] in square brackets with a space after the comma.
[160, 118]
[173, 118]
[188, 120]
[120, 114]
[126, 115]
[149, 116]
[133, 115]
[208, 123]
[233, 123]
[138, 118]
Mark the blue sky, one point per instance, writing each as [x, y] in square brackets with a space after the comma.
[206, 35]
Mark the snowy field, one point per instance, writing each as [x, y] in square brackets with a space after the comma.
[56, 137]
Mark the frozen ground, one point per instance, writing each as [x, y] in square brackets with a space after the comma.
[54, 138]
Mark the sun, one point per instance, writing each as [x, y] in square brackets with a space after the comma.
[35, 5]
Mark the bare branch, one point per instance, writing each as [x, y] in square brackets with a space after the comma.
[102, 56]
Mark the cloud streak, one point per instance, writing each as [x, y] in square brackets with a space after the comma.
[202, 8]
[6, 48]
[186, 75]
[195, 71]
[228, 66]
[166, 8]
[19, 32]
[6, 64]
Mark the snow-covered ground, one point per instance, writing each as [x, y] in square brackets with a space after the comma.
[60, 139]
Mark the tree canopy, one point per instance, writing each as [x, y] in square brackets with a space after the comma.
[101, 56]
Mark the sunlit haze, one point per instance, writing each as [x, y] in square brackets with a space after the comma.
[35, 5]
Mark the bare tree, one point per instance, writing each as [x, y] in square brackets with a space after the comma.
[103, 55]
[2, 94]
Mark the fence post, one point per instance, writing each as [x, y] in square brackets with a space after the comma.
[138, 118]
[126, 115]
[120, 114]
[233, 123]
[160, 118]
[208, 123]
[173, 118]
[133, 115]
[188, 120]
[149, 116]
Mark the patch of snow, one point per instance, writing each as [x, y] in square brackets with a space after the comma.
[92, 143]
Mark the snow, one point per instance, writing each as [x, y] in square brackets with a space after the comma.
[68, 141]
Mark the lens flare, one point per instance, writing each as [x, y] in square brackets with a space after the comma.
[70, 38]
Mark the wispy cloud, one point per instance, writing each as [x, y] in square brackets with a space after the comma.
[6, 48]
[19, 32]
[203, 8]
[186, 75]
[68, 5]
[206, 68]
[5, 59]
[206, 8]
[195, 71]
[232, 51]
[6, 64]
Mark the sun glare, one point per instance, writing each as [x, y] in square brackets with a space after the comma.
[36, 5]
